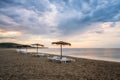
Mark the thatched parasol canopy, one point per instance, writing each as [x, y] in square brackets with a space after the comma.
[61, 43]
[38, 46]
[25, 46]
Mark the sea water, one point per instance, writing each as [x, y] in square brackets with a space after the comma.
[107, 54]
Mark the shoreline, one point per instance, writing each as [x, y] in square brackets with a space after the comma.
[75, 56]
[15, 66]
[71, 56]
[98, 59]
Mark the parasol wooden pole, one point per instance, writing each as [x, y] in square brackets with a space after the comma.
[26, 49]
[37, 49]
[61, 51]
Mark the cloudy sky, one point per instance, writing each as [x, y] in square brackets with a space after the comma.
[83, 23]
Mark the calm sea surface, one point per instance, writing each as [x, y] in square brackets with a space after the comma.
[107, 54]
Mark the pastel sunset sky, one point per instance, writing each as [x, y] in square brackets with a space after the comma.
[83, 23]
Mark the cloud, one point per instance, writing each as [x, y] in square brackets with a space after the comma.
[58, 15]
[107, 37]
[29, 19]
[77, 15]
[59, 18]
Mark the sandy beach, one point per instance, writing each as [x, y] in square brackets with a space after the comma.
[16, 66]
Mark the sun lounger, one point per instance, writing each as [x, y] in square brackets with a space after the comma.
[41, 55]
[54, 58]
[64, 59]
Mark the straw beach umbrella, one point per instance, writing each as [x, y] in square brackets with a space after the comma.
[38, 46]
[26, 46]
[61, 43]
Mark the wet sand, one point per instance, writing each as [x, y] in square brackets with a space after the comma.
[16, 66]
